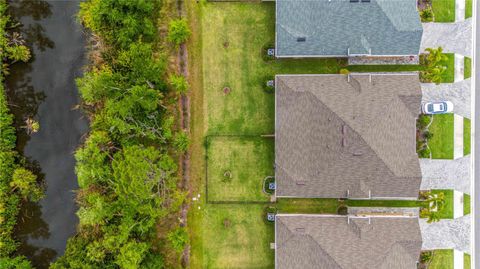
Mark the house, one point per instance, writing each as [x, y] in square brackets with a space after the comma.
[343, 242]
[347, 136]
[346, 28]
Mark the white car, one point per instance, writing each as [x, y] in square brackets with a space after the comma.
[441, 107]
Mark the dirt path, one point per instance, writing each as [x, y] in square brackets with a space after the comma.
[184, 104]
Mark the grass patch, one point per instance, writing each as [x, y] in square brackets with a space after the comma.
[237, 167]
[307, 206]
[467, 139]
[442, 259]
[466, 261]
[449, 75]
[466, 204]
[447, 211]
[384, 203]
[467, 71]
[444, 10]
[468, 8]
[237, 236]
[441, 144]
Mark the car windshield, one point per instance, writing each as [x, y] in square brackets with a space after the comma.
[430, 107]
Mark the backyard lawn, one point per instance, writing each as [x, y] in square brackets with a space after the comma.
[467, 139]
[236, 236]
[237, 167]
[442, 259]
[441, 144]
[444, 10]
[467, 71]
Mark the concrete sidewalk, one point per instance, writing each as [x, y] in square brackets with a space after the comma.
[459, 10]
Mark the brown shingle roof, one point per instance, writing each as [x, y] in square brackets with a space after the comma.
[336, 135]
[334, 242]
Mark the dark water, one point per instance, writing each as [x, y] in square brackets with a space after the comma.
[44, 89]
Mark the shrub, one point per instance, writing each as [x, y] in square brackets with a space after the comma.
[424, 153]
[427, 135]
[264, 52]
[423, 121]
[344, 71]
[178, 238]
[178, 31]
[179, 83]
[182, 141]
[426, 256]
[426, 14]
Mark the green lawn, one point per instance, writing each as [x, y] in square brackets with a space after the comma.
[467, 139]
[236, 236]
[447, 211]
[466, 261]
[467, 71]
[307, 206]
[442, 259]
[449, 75]
[441, 144]
[444, 10]
[384, 203]
[466, 204]
[468, 8]
[237, 167]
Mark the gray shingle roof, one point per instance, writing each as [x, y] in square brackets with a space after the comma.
[334, 136]
[332, 27]
[333, 242]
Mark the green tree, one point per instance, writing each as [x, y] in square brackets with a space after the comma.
[131, 255]
[178, 31]
[25, 183]
[120, 21]
[93, 159]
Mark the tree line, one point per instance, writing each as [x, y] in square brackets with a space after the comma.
[127, 167]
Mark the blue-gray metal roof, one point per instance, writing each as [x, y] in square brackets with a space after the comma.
[341, 27]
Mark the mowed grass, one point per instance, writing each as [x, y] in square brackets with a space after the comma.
[441, 144]
[468, 8]
[466, 204]
[444, 10]
[442, 259]
[237, 167]
[447, 211]
[237, 236]
[466, 261]
[307, 206]
[467, 138]
[233, 37]
[467, 71]
[449, 75]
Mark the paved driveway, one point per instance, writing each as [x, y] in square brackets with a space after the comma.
[446, 234]
[446, 174]
[458, 93]
[453, 37]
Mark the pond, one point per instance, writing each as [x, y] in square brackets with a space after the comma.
[44, 89]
